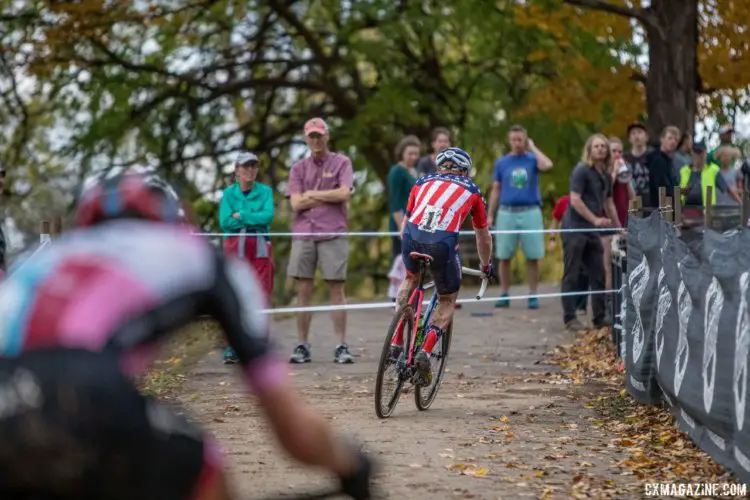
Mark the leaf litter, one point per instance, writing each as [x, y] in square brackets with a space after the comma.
[657, 451]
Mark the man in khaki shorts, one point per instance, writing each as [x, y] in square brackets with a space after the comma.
[319, 188]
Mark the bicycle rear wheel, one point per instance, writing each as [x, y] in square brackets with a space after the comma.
[424, 396]
[404, 320]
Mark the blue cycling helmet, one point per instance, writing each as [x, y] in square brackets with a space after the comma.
[453, 159]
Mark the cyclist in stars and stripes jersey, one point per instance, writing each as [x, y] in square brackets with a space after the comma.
[438, 205]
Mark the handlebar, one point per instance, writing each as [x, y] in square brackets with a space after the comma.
[477, 272]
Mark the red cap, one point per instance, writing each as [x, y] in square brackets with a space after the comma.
[316, 125]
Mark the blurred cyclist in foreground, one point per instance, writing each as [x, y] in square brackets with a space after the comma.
[438, 205]
[83, 318]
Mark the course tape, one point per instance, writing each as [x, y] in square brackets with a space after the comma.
[391, 305]
[15, 268]
[396, 233]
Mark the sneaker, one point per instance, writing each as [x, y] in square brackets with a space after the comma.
[301, 354]
[503, 302]
[395, 353]
[342, 354]
[230, 358]
[422, 361]
[575, 326]
[533, 303]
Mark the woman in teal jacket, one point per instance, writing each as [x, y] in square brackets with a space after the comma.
[246, 209]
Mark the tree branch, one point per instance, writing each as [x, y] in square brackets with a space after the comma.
[603, 6]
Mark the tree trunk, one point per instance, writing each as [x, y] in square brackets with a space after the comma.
[671, 86]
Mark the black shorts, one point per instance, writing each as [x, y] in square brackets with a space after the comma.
[445, 266]
[73, 426]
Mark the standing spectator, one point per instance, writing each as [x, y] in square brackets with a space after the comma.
[622, 181]
[583, 282]
[401, 178]
[682, 155]
[319, 188]
[591, 207]
[516, 189]
[246, 209]
[636, 160]
[726, 133]
[3, 264]
[440, 140]
[696, 177]
[726, 211]
[622, 193]
[726, 156]
[660, 166]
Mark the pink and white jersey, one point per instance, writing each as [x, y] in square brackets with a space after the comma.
[440, 203]
[125, 286]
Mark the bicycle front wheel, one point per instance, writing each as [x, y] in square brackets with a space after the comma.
[424, 396]
[389, 372]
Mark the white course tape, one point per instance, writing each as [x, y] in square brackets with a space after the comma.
[44, 243]
[391, 305]
[396, 233]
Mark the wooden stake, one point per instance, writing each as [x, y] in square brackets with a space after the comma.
[56, 226]
[665, 205]
[44, 231]
[677, 201]
[634, 206]
[707, 208]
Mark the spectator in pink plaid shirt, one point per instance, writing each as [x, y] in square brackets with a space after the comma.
[319, 188]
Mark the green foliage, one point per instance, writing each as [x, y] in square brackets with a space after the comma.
[185, 85]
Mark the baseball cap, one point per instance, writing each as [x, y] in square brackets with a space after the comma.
[637, 125]
[699, 147]
[245, 157]
[726, 129]
[316, 125]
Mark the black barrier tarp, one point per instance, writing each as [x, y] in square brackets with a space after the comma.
[686, 336]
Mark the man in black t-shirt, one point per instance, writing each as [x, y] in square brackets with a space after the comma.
[636, 159]
[591, 207]
[661, 166]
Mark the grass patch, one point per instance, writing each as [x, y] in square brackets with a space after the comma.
[179, 355]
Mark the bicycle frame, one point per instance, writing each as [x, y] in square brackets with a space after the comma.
[418, 293]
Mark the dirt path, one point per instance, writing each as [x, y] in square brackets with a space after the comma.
[500, 415]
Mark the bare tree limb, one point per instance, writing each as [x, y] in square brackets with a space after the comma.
[603, 6]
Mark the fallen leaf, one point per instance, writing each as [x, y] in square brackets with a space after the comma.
[475, 472]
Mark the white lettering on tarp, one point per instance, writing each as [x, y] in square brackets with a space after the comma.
[667, 399]
[662, 308]
[637, 281]
[637, 384]
[714, 306]
[687, 418]
[717, 440]
[684, 309]
[742, 344]
[741, 458]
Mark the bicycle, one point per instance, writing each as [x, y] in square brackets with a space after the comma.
[409, 318]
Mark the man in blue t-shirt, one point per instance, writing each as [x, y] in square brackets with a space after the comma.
[516, 189]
